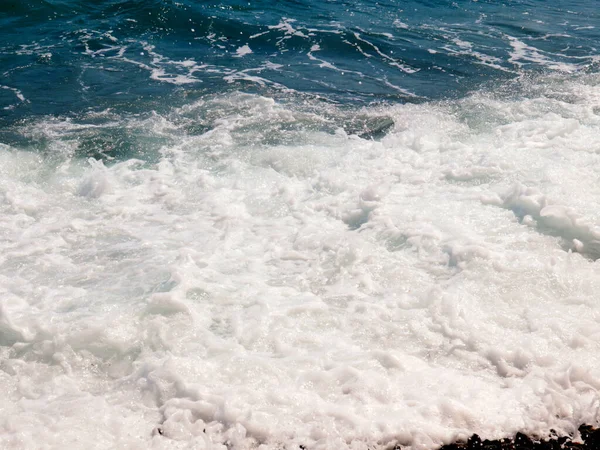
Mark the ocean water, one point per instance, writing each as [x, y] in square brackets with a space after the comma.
[297, 224]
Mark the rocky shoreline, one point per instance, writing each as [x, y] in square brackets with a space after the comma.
[590, 440]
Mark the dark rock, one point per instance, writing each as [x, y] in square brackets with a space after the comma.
[455, 446]
[523, 442]
[378, 128]
[372, 128]
[474, 443]
[590, 436]
[491, 445]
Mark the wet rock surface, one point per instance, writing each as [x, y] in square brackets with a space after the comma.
[590, 440]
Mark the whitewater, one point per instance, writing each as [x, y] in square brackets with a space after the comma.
[271, 285]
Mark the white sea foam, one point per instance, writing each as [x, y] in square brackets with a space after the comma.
[243, 50]
[17, 93]
[524, 53]
[391, 61]
[466, 48]
[400, 24]
[254, 289]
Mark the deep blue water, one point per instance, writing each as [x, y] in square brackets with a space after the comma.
[66, 57]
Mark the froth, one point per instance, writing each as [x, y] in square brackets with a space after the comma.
[274, 281]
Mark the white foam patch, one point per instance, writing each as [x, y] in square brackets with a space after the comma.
[260, 290]
[243, 50]
[466, 48]
[524, 53]
[395, 62]
[17, 93]
[401, 25]
[287, 26]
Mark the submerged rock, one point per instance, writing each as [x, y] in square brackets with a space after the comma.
[370, 127]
